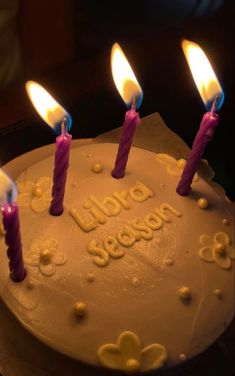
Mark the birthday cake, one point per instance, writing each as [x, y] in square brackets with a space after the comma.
[132, 276]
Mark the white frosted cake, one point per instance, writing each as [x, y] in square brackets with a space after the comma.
[132, 276]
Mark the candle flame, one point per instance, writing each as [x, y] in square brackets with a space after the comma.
[47, 107]
[8, 190]
[124, 78]
[203, 74]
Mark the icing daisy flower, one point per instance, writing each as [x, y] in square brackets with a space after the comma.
[35, 194]
[44, 255]
[217, 249]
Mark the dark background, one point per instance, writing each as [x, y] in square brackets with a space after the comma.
[66, 47]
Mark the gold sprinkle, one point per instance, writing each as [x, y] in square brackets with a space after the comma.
[162, 185]
[202, 203]
[218, 293]
[89, 155]
[74, 184]
[183, 357]
[225, 221]
[132, 366]
[90, 277]
[37, 192]
[97, 168]
[135, 282]
[79, 309]
[185, 293]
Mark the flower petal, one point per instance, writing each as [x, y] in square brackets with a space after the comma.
[24, 199]
[47, 269]
[206, 253]
[26, 186]
[174, 170]
[230, 251]
[153, 357]
[44, 183]
[166, 159]
[129, 345]
[110, 357]
[38, 204]
[223, 261]
[206, 240]
[50, 243]
[35, 245]
[32, 258]
[221, 237]
[47, 197]
[59, 258]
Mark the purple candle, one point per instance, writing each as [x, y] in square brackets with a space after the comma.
[211, 92]
[131, 120]
[63, 143]
[203, 136]
[10, 218]
[60, 121]
[131, 93]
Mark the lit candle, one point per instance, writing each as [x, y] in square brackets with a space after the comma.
[60, 121]
[10, 218]
[131, 92]
[212, 96]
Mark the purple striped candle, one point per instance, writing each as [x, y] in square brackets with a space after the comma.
[212, 95]
[11, 226]
[132, 119]
[131, 92]
[63, 143]
[204, 135]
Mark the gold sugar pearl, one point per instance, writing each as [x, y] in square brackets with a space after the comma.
[185, 293]
[183, 357]
[225, 221]
[90, 277]
[218, 293]
[37, 191]
[97, 168]
[219, 249]
[132, 366]
[89, 155]
[181, 163]
[45, 255]
[79, 309]
[169, 261]
[202, 203]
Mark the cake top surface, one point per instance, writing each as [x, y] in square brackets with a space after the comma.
[129, 267]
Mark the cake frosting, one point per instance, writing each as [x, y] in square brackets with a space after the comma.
[132, 276]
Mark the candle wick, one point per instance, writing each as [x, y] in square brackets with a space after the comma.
[9, 196]
[64, 126]
[215, 103]
[133, 106]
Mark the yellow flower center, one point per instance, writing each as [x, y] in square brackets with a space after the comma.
[45, 256]
[37, 191]
[219, 249]
[181, 163]
[132, 366]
